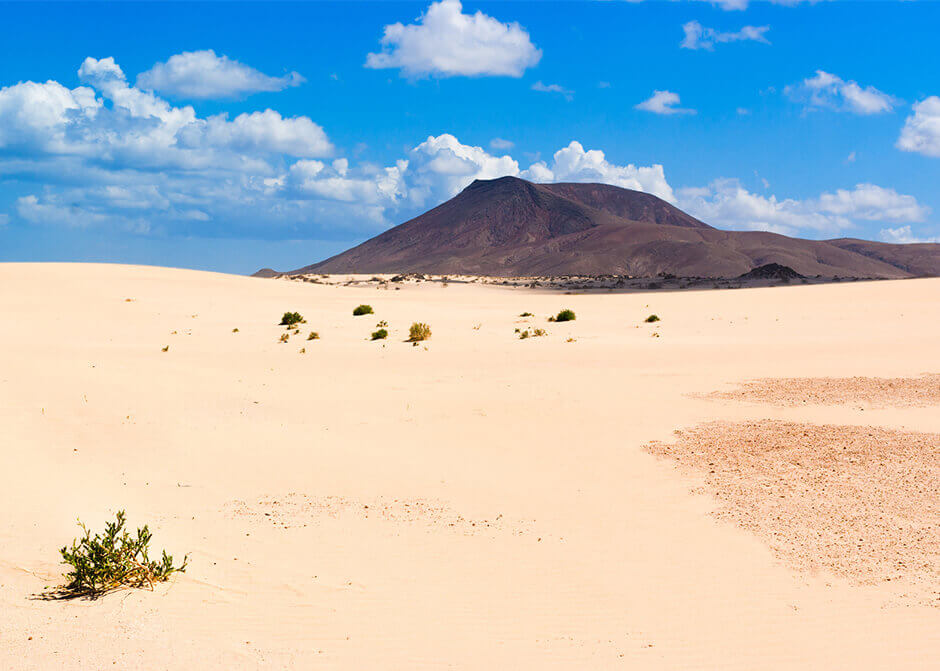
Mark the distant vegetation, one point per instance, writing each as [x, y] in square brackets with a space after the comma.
[362, 310]
[651, 319]
[535, 333]
[381, 334]
[563, 316]
[313, 336]
[114, 560]
[418, 332]
[291, 318]
[284, 337]
[526, 314]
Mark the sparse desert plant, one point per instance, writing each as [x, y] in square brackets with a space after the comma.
[284, 337]
[291, 318]
[565, 315]
[303, 350]
[362, 310]
[235, 330]
[539, 332]
[651, 319]
[526, 314]
[165, 348]
[382, 324]
[313, 336]
[381, 334]
[524, 334]
[535, 333]
[114, 560]
[419, 331]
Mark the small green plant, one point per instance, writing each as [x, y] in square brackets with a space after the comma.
[382, 324]
[291, 318]
[526, 314]
[362, 310]
[565, 315]
[651, 319]
[114, 560]
[313, 336]
[235, 330]
[381, 334]
[284, 337]
[165, 349]
[539, 333]
[418, 332]
[524, 334]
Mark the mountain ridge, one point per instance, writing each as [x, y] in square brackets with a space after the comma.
[512, 227]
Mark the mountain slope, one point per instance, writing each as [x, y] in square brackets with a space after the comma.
[512, 227]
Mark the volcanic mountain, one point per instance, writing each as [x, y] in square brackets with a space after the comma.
[511, 227]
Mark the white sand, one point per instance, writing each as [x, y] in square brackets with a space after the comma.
[515, 519]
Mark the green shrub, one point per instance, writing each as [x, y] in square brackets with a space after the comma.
[114, 560]
[291, 318]
[419, 331]
[526, 314]
[313, 336]
[284, 337]
[362, 310]
[381, 334]
[651, 319]
[565, 315]
[382, 324]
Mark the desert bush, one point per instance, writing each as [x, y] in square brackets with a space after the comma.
[235, 330]
[381, 334]
[291, 318]
[313, 336]
[284, 337]
[382, 324]
[651, 319]
[565, 315]
[165, 349]
[419, 331]
[362, 310]
[526, 314]
[535, 333]
[114, 560]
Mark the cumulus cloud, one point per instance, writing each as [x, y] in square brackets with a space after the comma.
[727, 204]
[921, 131]
[698, 36]
[445, 42]
[903, 235]
[826, 90]
[499, 144]
[574, 164]
[553, 88]
[203, 75]
[663, 102]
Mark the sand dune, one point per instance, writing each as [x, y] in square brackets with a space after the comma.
[514, 518]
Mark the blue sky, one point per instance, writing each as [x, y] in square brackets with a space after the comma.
[230, 136]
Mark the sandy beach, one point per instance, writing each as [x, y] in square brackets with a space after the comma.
[476, 501]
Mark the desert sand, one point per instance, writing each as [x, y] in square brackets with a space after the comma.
[474, 502]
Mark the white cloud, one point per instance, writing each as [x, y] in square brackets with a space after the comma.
[4, 219]
[442, 166]
[903, 235]
[698, 36]
[263, 132]
[574, 164]
[663, 102]
[445, 42]
[203, 75]
[740, 5]
[826, 90]
[727, 204]
[500, 144]
[553, 88]
[742, 111]
[921, 131]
